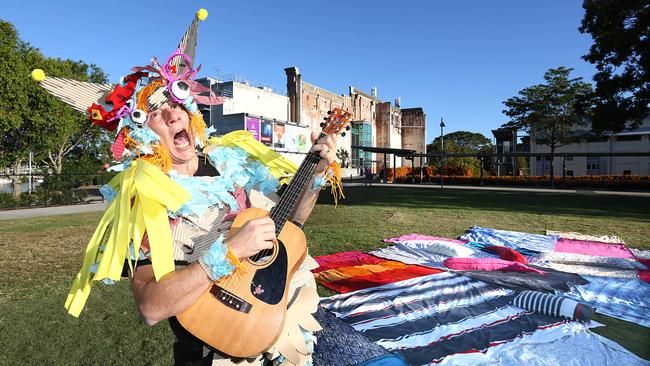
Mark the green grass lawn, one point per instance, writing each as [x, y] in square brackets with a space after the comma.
[40, 256]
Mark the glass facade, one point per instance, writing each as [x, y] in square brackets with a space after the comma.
[361, 136]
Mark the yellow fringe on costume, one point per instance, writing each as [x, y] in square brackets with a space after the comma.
[143, 195]
[197, 126]
[333, 176]
[278, 165]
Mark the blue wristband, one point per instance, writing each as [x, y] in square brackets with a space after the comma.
[215, 262]
[319, 183]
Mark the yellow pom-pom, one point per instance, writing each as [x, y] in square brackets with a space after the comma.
[38, 75]
[202, 14]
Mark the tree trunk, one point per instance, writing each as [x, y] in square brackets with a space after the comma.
[15, 179]
[552, 166]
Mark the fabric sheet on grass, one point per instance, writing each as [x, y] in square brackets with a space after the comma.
[592, 248]
[344, 259]
[419, 252]
[350, 271]
[410, 237]
[445, 318]
[551, 281]
[621, 298]
[592, 260]
[578, 236]
[581, 348]
[511, 239]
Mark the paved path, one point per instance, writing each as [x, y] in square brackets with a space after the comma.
[51, 211]
[93, 207]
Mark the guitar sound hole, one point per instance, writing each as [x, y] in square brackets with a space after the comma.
[263, 257]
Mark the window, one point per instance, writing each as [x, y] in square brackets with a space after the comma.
[628, 138]
[538, 158]
[593, 166]
[627, 172]
[569, 158]
[569, 173]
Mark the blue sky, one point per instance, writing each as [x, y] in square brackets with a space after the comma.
[456, 59]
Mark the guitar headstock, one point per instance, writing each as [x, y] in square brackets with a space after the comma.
[336, 121]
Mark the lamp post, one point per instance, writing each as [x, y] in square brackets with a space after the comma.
[442, 150]
[442, 139]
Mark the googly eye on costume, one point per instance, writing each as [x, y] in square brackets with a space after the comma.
[180, 89]
[139, 117]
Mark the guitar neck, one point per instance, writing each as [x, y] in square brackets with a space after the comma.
[291, 196]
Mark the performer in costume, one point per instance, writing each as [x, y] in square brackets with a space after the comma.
[171, 209]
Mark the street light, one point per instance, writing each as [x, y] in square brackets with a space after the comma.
[442, 149]
[442, 139]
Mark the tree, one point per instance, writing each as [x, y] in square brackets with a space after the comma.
[621, 54]
[343, 155]
[551, 112]
[30, 118]
[463, 142]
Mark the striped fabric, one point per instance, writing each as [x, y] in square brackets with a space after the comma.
[431, 318]
[511, 239]
[539, 302]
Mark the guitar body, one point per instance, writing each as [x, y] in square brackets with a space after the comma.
[242, 314]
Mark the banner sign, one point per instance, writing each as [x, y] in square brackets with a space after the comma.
[266, 135]
[253, 125]
[279, 136]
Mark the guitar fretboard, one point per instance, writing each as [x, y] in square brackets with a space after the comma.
[281, 212]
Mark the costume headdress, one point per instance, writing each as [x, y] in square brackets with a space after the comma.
[123, 108]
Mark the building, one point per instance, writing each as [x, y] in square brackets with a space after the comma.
[628, 140]
[285, 122]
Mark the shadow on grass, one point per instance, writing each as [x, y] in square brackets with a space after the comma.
[525, 202]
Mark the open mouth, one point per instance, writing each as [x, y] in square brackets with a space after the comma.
[181, 139]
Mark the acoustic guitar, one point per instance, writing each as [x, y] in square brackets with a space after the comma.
[242, 314]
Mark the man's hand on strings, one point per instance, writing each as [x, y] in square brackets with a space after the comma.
[254, 236]
[326, 148]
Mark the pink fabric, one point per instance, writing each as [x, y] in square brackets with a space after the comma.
[242, 201]
[592, 248]
[423, 237]
[487, 264]
[507, 254]
[345, 259]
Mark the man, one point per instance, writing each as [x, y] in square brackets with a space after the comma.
[170, 209]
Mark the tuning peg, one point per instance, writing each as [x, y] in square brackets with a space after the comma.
[325, 118]
[347, 128]
[329, 112]
[343, 134]
[322, 124]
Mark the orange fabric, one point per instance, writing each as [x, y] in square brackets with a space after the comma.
[356, 271]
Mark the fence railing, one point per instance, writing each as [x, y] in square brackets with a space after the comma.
[542, 162]
[50, 189]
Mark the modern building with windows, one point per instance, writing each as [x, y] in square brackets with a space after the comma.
[628, 140]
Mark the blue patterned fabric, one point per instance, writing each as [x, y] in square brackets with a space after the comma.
[622, 298]
[512, 239]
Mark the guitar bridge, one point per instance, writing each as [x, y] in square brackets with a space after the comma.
[230, 300]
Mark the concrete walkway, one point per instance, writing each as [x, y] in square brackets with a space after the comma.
[51, 211]
[94, 207]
